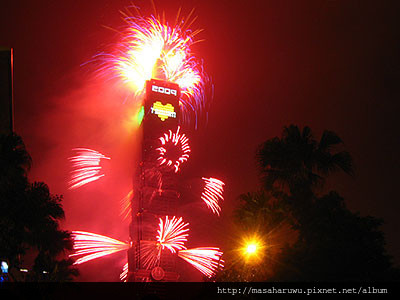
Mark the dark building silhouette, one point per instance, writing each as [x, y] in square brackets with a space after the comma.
[6, 90]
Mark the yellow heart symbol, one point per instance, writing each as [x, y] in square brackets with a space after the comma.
[163, 111]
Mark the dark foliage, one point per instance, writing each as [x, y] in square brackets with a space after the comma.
[336, 245]
[29, 219]
[299, 161]
[331, 243]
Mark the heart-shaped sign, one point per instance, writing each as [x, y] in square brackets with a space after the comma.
[163, 111]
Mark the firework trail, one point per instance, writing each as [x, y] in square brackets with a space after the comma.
[91, 246]
[124, 274]
[172, 140]
[154, 179]
[171, 234]
[205, 259]
[151, 48]
[151, 254]
[212, 194]
[126, 205]
[86, 167]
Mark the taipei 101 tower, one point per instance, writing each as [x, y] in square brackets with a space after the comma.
[156, 196]
[155, 62]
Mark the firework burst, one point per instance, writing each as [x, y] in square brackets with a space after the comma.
[124, 274]
[205, 259]
[172, 234]
[91, 246]
[169, 140]
[151, 254]
[213, 193]
[86, 167]
[151, 48]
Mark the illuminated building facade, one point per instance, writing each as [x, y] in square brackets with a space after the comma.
[156, 183]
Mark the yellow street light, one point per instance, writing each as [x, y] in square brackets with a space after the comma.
[251, 249]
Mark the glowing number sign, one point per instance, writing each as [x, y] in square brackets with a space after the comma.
[163, 111]
[164, 90]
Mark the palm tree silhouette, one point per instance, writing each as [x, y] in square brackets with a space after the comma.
[15, 161]
[30, 218]
[295, 164]
[298, 161]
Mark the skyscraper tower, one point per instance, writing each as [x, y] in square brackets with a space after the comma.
[151, 48]
[156, 191]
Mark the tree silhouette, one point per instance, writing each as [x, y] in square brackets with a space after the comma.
[298, 161]
[29, 220]
[337, 245]
[331, 242]
[260, 208]
[293, 166]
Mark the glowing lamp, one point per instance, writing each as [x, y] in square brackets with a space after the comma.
[251, 249]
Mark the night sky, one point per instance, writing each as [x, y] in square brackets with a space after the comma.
[326, 64]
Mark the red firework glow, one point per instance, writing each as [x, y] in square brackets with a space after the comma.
[205, 259]
[91, 246]
[86, 167]
[171, 234]
[151, 48]
[172, 140]
[212, 193]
